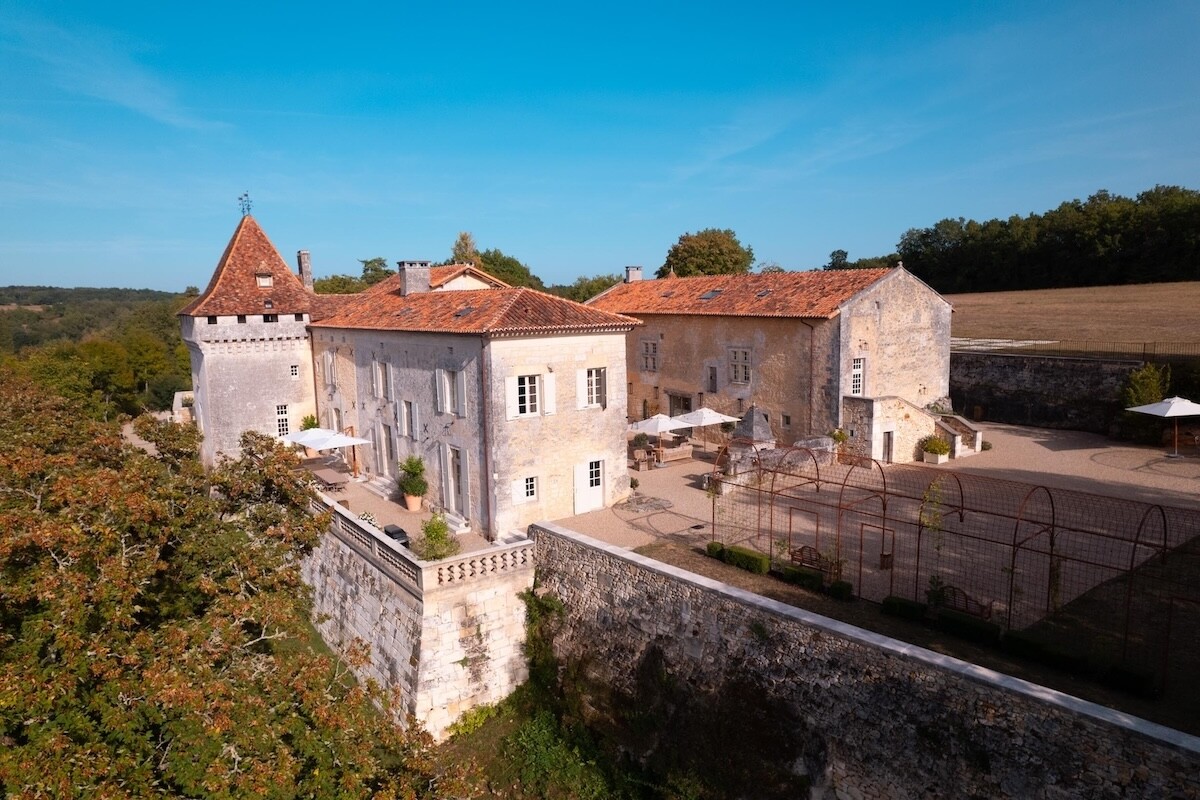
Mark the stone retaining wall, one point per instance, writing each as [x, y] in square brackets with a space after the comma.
[760, 699]
[1045, 391]
[446, 635]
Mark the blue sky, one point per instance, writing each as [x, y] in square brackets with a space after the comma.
[577, 138]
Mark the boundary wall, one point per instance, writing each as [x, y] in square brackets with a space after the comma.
[848, 713]
[446, 635]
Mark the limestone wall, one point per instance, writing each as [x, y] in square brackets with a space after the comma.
[693, 675]
[1046, 391]
[446, 635]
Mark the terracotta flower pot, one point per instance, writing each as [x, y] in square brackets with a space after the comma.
[412, 502]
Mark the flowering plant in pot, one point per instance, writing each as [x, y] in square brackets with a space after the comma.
[412, 483]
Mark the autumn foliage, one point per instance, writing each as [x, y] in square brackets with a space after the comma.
[154, 631]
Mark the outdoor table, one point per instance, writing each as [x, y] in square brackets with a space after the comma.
[331, 479]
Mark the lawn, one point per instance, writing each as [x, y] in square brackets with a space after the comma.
[1152, 312]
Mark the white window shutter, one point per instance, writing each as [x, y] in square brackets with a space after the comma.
[510, 397]
[466, 483]
[518, 491]
[416, 431]
[460, 379]
[444, 473]
[549, 402]
[581, 398]
[604, 388]
[439, 390]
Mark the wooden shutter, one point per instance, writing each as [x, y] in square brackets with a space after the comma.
[510, 397]
[581, 398]
[460, 383]
[439, 390]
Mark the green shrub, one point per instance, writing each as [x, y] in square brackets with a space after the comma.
[969, 627]
[803, 577]
[749, 560]
[904, 608]
[986, 445]
[841, 590]
[435, 541]
[641, 440]
[413, 483]
[936, 445]
[309, 422]
[715, 550]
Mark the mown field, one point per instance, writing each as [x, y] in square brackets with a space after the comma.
[1153, 312]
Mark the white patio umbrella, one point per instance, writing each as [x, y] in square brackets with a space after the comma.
[657, 425]
[703, 417]
[305, 436]
[1171, 408]
[334, 439]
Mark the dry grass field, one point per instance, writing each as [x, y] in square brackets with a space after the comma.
[1152, 312]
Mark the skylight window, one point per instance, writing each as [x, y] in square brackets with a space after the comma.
[668, 294]
[462, 312]
[710, 294]
[763, 293]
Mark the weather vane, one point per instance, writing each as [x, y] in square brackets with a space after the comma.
[244, 202]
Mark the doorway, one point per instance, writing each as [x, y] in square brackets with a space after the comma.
[456, 482]
[887, 446]
[589, 486]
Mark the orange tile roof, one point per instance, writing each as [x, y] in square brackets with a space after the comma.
[497, 312]
[234, 287]
[816, 294]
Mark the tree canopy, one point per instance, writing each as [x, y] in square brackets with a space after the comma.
[1105, 240]
[374, 270]
[154, 634]
[585, 288]
[707, 252]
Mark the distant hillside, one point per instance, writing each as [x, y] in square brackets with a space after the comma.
[52, 295]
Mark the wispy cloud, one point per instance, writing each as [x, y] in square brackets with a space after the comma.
[94, 65]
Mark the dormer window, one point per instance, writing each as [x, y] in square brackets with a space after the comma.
[265, 281]
[710, 294]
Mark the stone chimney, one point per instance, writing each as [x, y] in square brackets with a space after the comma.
[633, 274]
[305, 264]
[414, 277]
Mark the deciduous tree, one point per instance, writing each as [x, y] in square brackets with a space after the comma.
[708, 252]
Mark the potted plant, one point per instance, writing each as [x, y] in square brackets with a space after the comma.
[412, 483]
[935, 449]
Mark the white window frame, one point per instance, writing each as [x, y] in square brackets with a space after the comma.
[282, 424]
[857, 371]
[264, 280]
[525, 490]
[544, 387]
[294, 371]
[591, 387]
[739, 365]
[450, 388]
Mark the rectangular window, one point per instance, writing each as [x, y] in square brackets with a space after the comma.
[531, 488]
[739, 366]
[649, 355]
[212, 320]
[712, 380]
[787, 421]
[281, 420]
[856, 376]
[527, 394]
[270, 318]
[595, 387]
[241, 318]
[451, 387]
[593, 474]
[264, 280]
[294, 370]
[412, 421]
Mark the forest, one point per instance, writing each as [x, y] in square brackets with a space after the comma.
[1105, 240]
[116, 350]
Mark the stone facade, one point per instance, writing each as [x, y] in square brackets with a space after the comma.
[888, 338]
[447, 636]
[244, 374]
[692, 675]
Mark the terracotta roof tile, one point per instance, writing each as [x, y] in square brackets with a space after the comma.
[781, 294]
[497, 312]
[234, 286]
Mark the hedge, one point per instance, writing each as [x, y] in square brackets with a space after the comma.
[968, 626]
[841, 590]
[715, 549]
[904, 608]
[803, 577]
[749, 560]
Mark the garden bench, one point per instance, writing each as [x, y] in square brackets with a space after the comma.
[958, 600]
